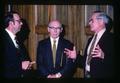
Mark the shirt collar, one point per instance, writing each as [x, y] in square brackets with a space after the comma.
[52, 40]
[11, 34]
[100, 33]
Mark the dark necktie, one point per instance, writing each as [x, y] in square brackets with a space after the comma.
[54, 52]
[17, 42]
[91, 48]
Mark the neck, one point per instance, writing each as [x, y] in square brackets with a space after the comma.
[11, 30]
[98, 30]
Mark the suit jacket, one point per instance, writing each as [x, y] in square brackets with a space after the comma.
[102, 68]
[12, 57]
[45, 61]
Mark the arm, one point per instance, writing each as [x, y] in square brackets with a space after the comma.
[42, 71]
[69, 67]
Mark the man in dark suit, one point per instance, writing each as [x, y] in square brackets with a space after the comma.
[14, 58]
[50, 64]
[98, 59]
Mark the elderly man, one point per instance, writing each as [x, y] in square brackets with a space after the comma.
[14, 58]
[98, 57]
[51, 59]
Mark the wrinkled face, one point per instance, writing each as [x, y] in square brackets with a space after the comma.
[95, 23]
[54, 29]
[16, 23]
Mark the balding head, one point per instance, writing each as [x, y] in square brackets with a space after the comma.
[55, 23]
[54, 28]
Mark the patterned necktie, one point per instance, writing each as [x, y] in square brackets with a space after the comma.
[91, 48]
[54, 52]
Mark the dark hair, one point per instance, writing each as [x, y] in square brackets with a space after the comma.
[9, 17]
[107, 19]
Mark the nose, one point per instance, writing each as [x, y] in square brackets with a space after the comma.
[90, 22]
[55, 29]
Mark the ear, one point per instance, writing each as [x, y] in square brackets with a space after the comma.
[11, 23]
[61, 29]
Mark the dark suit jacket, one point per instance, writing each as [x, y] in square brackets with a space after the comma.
[11, 57]
[45, 61]
[102, 68]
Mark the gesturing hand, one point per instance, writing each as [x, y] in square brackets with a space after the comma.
[97, 52]
[71, 53]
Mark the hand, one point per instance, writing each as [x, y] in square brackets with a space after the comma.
[71, 53]
[30, 65]
[51, 76]
[57, 75]
[27, 64]
[97, 52]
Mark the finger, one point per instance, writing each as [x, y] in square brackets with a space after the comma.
[67, 53]
[96, 48]
[33, 62]
[67, 49]
[94, 52]
[94, 56]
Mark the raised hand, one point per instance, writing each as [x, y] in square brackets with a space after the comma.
[97, 52]
[71, 53]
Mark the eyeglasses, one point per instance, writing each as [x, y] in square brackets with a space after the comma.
[92, 20]
[57, 28]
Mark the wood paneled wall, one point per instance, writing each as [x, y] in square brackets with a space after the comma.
[73, 17]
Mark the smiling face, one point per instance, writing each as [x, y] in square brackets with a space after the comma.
[54, 29]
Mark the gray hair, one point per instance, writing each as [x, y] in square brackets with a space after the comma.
[107, 19]
[104, 17]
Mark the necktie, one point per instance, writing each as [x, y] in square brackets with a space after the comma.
[54, 52]
[91, 48]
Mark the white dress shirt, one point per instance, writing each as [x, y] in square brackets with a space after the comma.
[52, 41]
[99, 35]
[12, 36]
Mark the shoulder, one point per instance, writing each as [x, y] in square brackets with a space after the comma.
[108, 35]
[44, 41]
[66, 41]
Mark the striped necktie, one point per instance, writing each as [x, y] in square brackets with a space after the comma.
[91, 48]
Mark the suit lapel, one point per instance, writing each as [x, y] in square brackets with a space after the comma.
[59, 53]
[7, 36]
[48, 53]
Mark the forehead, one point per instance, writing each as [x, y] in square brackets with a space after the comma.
[16, 16]
[95, 15]
[55, 23]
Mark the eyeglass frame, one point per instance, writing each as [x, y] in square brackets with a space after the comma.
[57, 28]
[19, 21]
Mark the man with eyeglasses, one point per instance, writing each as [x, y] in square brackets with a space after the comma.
[51, 60]
[14, 58]
[98, 59]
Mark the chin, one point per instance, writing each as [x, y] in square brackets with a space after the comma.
[92, 30]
